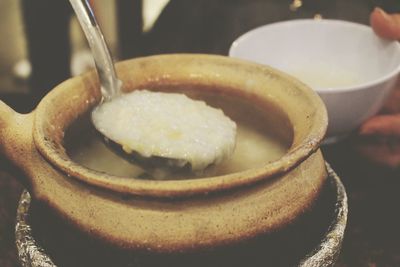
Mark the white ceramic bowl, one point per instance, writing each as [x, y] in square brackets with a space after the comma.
[351, 68]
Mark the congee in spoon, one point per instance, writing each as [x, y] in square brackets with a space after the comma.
[170, 126]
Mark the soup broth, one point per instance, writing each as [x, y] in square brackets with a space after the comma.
[263, 135]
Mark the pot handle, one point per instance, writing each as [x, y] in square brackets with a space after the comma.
[6, 115]
[11, 124]
[15, 136]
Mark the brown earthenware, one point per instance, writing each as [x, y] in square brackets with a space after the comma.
[173, 215]
[324, 251]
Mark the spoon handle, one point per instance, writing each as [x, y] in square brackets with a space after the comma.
[110, 85]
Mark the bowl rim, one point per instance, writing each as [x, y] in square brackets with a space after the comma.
[184, 187]
[342, 23]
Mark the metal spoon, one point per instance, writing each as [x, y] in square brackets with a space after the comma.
[110, 85]
[111, 88]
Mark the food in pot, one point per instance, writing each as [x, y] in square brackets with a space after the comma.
[167, 125]
[262, 136]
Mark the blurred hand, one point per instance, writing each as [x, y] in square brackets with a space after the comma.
[385, 25]
[384, 129]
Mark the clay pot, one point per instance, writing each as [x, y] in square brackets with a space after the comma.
[174, 215]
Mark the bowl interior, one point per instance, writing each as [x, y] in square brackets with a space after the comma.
[264, 135]
[296, 115]
[322, 53]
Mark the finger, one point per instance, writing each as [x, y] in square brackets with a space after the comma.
[392, 104]
[385, 25]
[385, 125]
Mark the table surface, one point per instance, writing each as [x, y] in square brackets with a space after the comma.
[373, 234]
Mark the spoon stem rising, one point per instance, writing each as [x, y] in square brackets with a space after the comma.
[110, 85]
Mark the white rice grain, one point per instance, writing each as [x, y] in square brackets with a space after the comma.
[168, 125]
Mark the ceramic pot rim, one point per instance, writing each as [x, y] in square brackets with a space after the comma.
[180, 188]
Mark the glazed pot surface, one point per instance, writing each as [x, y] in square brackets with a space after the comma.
[174, 215]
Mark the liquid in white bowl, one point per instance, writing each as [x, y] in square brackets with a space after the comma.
[322, 76]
